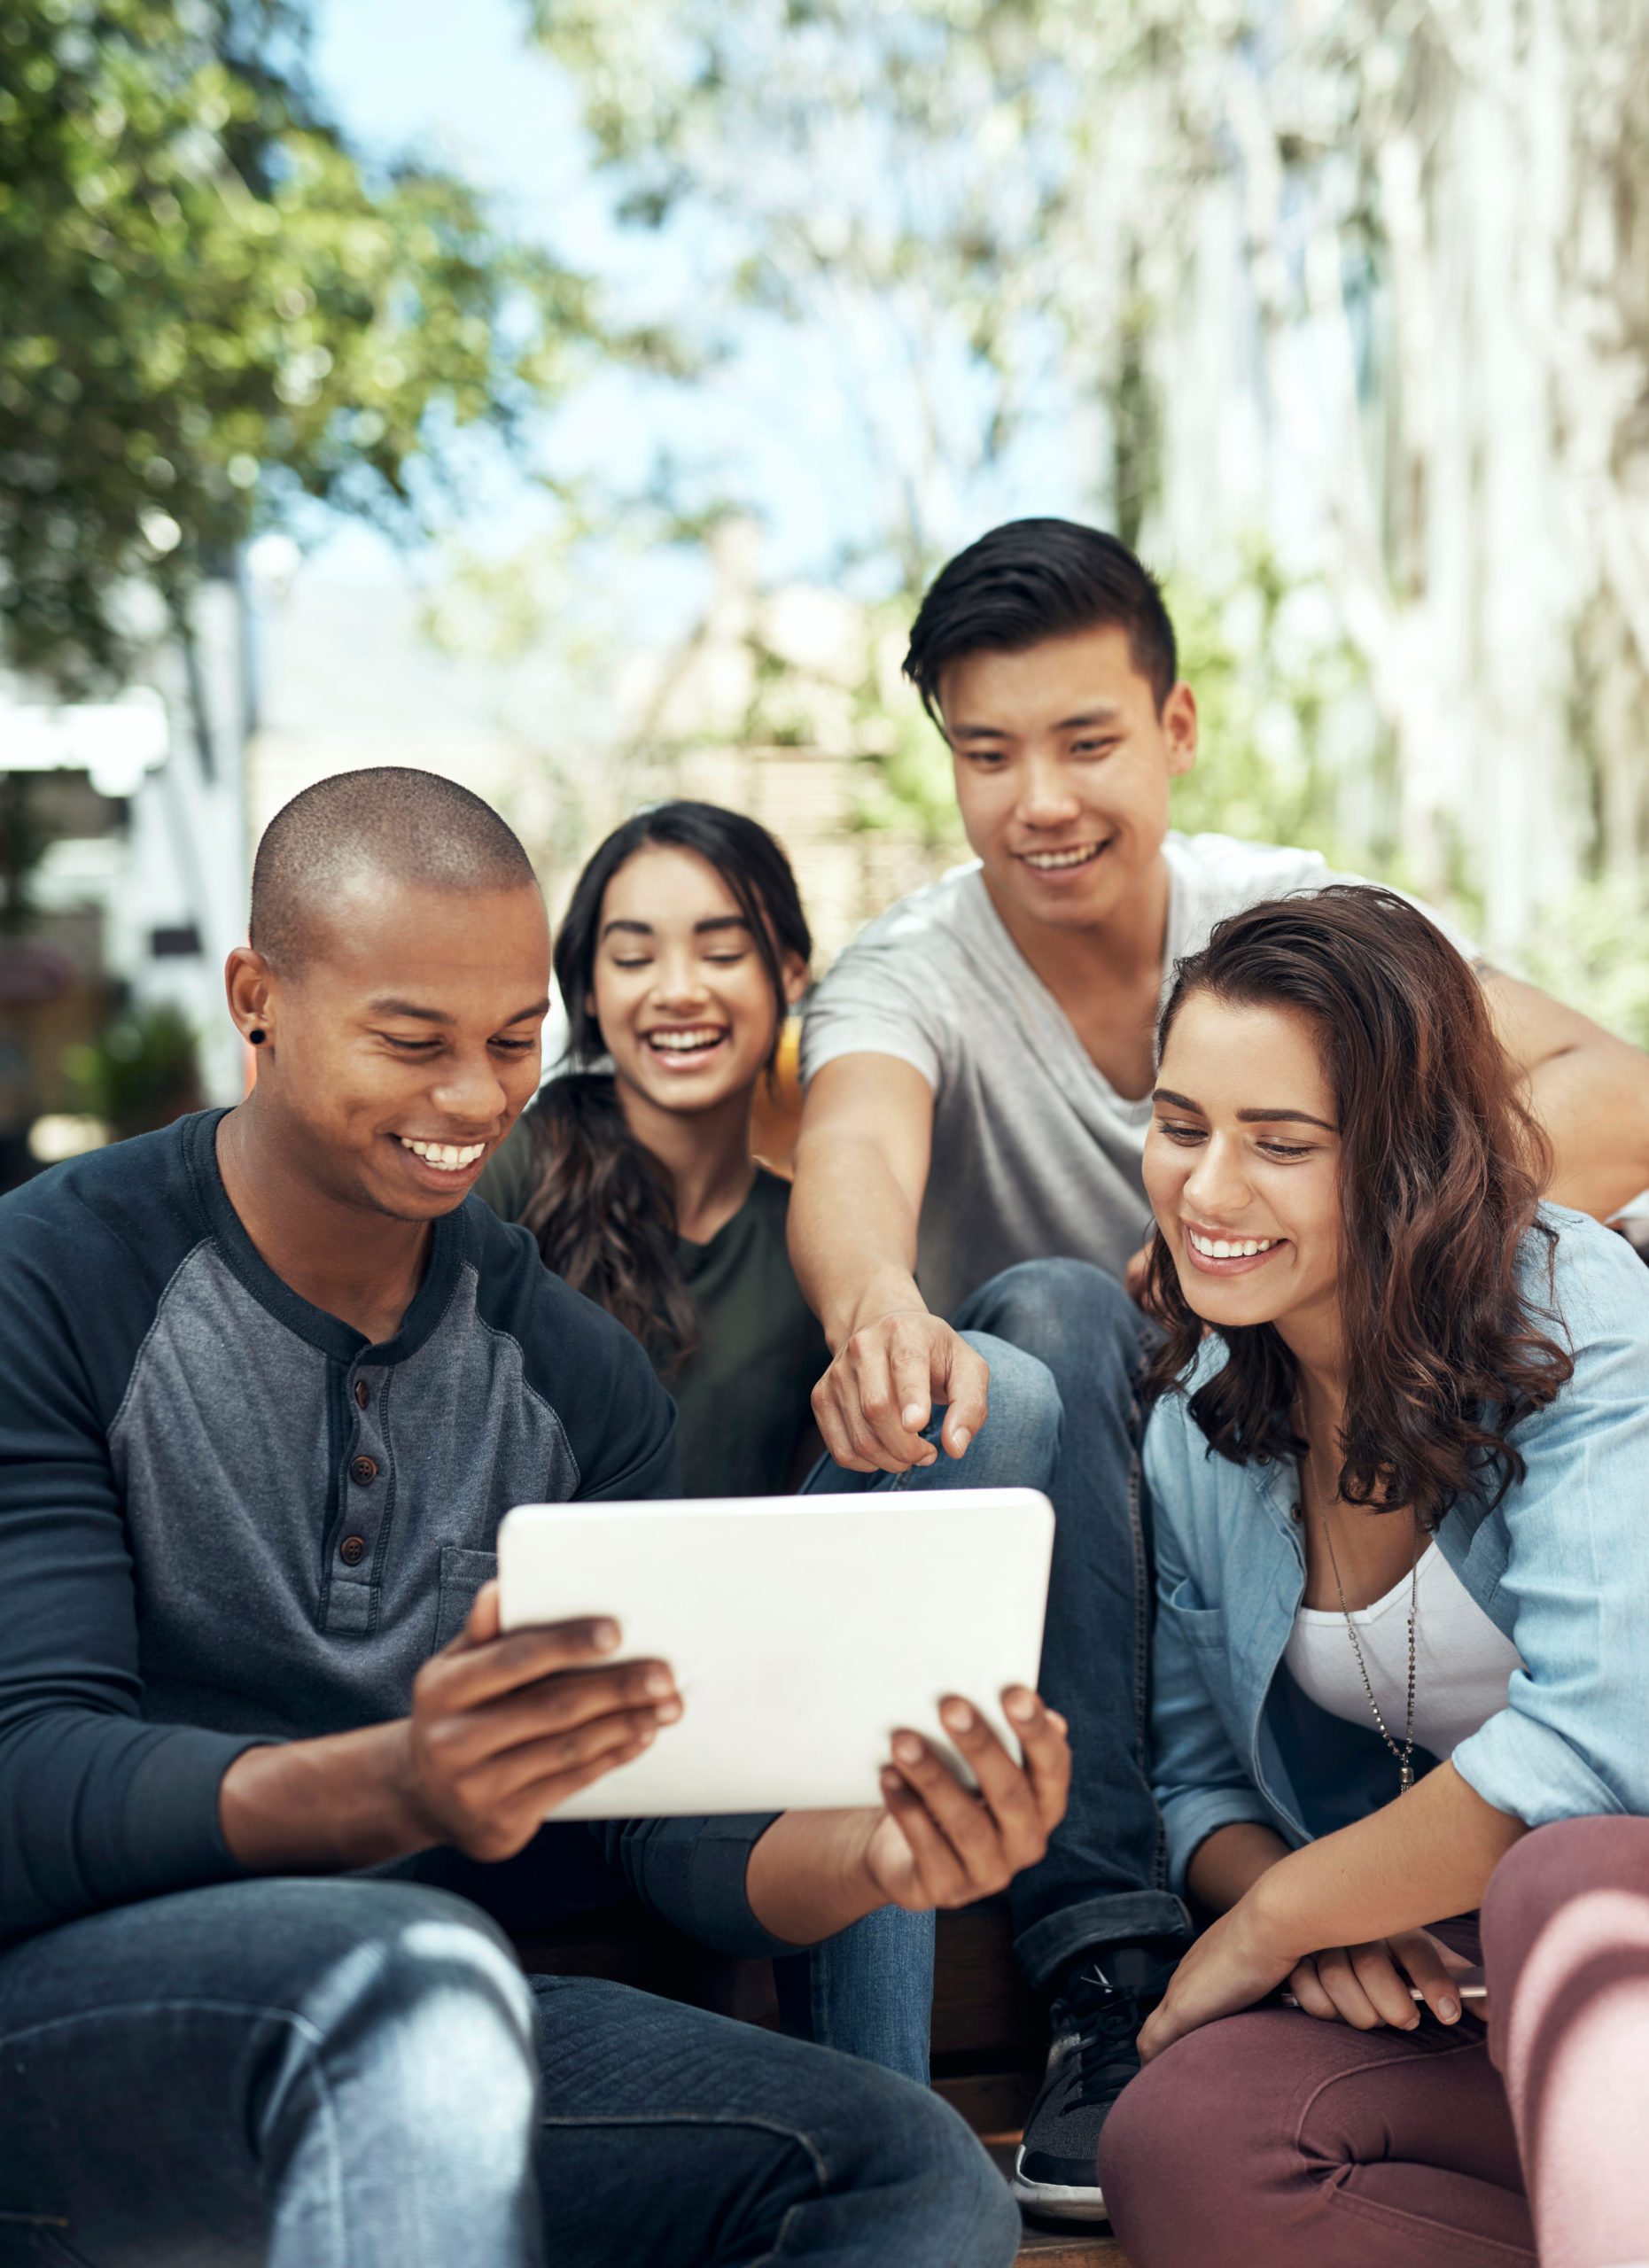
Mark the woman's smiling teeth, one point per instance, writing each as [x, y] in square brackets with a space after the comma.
[693, 1040]
[1231, 1248]
[450, 1157]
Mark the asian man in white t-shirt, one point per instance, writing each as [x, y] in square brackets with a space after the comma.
[978, 1069]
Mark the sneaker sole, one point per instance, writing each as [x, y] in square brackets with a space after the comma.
[1057, 2202]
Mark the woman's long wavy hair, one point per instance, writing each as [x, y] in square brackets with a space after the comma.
[601, 1208]
[1441, 1170]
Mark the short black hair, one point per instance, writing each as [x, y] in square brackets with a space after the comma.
[1031, 579]
[410, 826]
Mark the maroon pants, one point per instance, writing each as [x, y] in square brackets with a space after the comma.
[1273, 2139]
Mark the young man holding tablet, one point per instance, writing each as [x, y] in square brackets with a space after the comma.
[268, 1383]
[979, 1066]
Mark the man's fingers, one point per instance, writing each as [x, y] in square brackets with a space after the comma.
[547, 1795]
[910, 1371]
[560, 1705]
[965, 1385]
[570, 1686]
[1003, 1785]
[1043, 1736]
[855, 1404]
[960, 1816]
[889, 1376]
[942, 1877]
[467, 1673]
[563, 1752]
[833, 1430]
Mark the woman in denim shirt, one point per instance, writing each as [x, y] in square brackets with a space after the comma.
[1400, 1467]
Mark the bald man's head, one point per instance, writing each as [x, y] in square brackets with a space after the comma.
[389, 823]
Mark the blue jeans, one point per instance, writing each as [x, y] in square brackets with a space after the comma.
[1065, 1344]
[1105, 1877]
[354, 2074]
[869, 1991]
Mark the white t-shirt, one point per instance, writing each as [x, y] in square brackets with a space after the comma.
[1462, 1660]
[1035, 1153]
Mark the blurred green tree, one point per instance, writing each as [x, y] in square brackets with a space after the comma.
[141, 1072]
[902, 183]
[213, 307]
[1221, 268]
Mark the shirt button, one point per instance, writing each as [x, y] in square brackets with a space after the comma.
[361, 1396]
[353, 1550]
[363, 1470]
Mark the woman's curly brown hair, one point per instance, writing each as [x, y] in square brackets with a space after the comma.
[1441, 1171]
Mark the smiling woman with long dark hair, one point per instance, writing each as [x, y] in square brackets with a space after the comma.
[1400, 1463]
[682, 948]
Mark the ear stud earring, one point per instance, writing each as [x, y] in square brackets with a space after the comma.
[257, 1036]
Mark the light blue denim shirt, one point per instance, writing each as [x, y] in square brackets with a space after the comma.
[1561, 1565]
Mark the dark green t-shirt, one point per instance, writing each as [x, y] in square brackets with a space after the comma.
[742, 1396]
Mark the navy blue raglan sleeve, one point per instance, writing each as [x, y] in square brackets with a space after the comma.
[618, 1421]
[96, 1808]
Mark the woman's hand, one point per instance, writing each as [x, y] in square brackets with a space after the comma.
[1368, 1985]
[938, 1843]
[1229, 1967]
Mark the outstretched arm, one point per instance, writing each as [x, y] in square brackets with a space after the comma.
[861, 1166]
[1589, 1089]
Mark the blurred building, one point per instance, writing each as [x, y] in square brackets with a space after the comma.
[142, 812]
[125, 865]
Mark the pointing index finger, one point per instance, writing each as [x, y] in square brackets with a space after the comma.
[966, 1387]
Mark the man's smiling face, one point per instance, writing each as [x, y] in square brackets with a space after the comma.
[1063, 763]
[406, 1045]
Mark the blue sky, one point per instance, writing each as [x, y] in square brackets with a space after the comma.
[465, 84]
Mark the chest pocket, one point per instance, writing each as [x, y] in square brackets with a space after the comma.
[462, 1575]
[1202, 1626]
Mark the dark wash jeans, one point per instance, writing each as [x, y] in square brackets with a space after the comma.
[1065, 1345]
[1105, 1877]
[354, 2074]
[869, 1991]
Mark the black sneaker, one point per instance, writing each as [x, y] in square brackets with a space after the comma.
[1095, 2021]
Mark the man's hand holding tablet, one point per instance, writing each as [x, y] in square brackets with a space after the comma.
[938, 1844]
[505, 1728]
[935, 1843]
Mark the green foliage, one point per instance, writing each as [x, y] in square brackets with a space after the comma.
[1593, 952]
[211, 306]
[141, 1073]
[907, 187]
[24, 838]
[1273, 673]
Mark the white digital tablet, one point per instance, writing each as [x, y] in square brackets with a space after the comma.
[802, 1630]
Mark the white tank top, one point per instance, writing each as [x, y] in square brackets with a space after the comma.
[1462, 1660]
